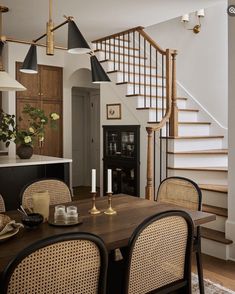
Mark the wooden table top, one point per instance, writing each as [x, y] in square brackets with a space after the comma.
[115, 230]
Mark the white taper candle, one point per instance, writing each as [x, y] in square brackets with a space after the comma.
[93, 180]
[109, 190]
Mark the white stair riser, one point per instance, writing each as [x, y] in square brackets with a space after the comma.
[202, 177]
[215, 198]
[184, 116]
[194, 144]
[121, 77]
[147, 102]
[136, 89]
[116, 42]
[218, 224]
[109, 66]
[215, 249]
[122, 58]
[198, 160]
[195, 129]
[117, 50]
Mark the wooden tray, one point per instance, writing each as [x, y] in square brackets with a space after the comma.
[63, 224]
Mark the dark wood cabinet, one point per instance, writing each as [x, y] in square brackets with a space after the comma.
[45, 91]
[121, 154]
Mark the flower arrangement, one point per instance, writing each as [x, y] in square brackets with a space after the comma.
[37, 120]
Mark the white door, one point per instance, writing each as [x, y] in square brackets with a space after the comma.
[95, 134]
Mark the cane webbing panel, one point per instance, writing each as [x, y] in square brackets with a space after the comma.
[2, 204]
[158, 256]
[58, 191]
[64, 267]
[179, 192]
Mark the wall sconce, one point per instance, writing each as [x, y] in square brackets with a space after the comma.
[197, 28]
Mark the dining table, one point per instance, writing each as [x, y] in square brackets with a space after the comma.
[115, 230]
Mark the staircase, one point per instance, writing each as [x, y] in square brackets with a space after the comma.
[190, 145]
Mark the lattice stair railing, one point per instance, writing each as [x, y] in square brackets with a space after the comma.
[150, 73]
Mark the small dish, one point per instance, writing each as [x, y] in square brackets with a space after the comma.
[32, 220]
[9, 234]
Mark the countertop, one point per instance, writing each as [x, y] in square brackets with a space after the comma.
[6, 161]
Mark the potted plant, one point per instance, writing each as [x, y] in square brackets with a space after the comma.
[26, 137]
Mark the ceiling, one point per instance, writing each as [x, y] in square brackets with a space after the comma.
[27, 18]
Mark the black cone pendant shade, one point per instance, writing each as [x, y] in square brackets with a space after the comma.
[97, 71]
[30, 63]
[76, 42]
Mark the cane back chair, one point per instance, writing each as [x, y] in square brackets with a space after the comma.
[59, 192]
[159, 255]
[2, 204]
[186, 193]
[68, 263]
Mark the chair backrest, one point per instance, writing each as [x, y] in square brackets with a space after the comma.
[180, 191]
[160, 253]
[68, 263]
[2, 204]
[59, 192]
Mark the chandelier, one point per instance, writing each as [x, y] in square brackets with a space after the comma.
[76, 44]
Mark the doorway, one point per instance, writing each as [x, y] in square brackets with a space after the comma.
[85, 139]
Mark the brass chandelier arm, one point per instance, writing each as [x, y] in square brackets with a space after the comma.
[52, 30]
[32, 42]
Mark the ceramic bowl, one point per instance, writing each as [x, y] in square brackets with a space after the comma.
[32, 220]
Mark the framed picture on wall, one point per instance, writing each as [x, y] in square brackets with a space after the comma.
[113, 111]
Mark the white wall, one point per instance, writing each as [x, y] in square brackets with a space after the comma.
[230, 225]
[202, 58]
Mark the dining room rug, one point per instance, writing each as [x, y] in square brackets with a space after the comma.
[210, 287]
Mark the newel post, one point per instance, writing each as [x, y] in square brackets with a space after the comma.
[174, 111]
[149, 186]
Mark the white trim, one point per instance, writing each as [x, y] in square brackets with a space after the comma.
[201, 106]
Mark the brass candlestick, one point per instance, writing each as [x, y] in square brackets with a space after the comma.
[94, 210]
[110, 210]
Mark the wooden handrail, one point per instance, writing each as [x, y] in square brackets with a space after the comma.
[118, 34]
[151, 41]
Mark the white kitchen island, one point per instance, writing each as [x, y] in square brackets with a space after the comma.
[16, 173]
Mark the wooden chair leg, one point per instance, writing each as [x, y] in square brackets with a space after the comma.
[200, 270]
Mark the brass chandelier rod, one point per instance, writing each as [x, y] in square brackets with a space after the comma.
[32, 42]
[52, 30]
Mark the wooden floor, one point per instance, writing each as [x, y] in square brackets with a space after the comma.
[218, 271]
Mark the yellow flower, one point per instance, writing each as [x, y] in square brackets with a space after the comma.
[31, 130]
[43, 120]
[41, 139]
[27, 139]
[55, 116]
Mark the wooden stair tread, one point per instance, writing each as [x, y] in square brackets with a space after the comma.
[160, 108]
[141, 84]
[214, 236]
[135, 73]
[153, 97]
[193, 137]
[194, 123]
[215, 169]
[215, 210]
[214, 188]
[209, 151]
[185, 123]
[121, 53]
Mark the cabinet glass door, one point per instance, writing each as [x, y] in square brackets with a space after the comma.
[128, 144]
[111, 143]
[128, 181]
